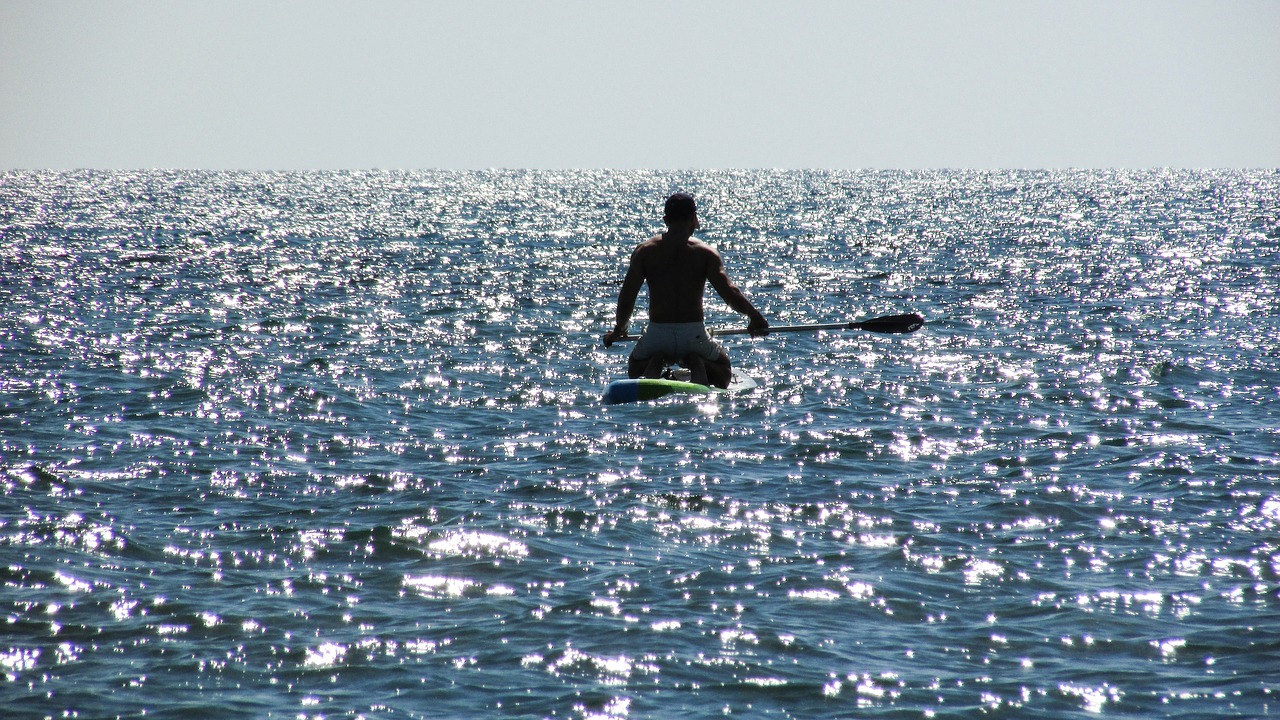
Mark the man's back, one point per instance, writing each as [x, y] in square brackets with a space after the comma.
[676, 270]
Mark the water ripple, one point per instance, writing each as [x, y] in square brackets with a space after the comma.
[330, 444]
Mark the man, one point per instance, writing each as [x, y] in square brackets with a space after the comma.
[677, 268]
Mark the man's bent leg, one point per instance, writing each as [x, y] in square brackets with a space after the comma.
[656, 365]
[697, 369]
[650, 367]
[719, 371]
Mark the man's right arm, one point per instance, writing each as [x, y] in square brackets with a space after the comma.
[735, 298]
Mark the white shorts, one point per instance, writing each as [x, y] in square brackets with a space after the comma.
[676, 340]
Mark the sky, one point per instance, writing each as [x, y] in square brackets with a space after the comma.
[660, 84]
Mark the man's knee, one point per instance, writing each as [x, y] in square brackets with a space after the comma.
[650, 367]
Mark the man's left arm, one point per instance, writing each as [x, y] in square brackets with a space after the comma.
[631, 284]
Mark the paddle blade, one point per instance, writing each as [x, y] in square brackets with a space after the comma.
[905, 323]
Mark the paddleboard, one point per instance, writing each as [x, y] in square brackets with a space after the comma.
[643, 389]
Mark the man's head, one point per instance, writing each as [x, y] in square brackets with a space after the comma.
[680, 208]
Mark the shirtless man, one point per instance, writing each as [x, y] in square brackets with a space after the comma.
[677, 268]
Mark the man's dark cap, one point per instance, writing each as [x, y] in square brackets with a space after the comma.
[680, 206]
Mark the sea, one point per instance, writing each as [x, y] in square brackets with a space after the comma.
[330, 445]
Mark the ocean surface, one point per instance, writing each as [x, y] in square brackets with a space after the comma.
[330, 445]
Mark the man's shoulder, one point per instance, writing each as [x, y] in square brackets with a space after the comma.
[649, 244]
[657, 243]
[703, 248]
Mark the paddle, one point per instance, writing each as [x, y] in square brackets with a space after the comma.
[905, 323]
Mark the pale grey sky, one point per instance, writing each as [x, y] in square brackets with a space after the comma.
[323, 84]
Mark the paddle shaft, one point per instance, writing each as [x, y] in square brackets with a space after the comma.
[788, 328]
[906, 323]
